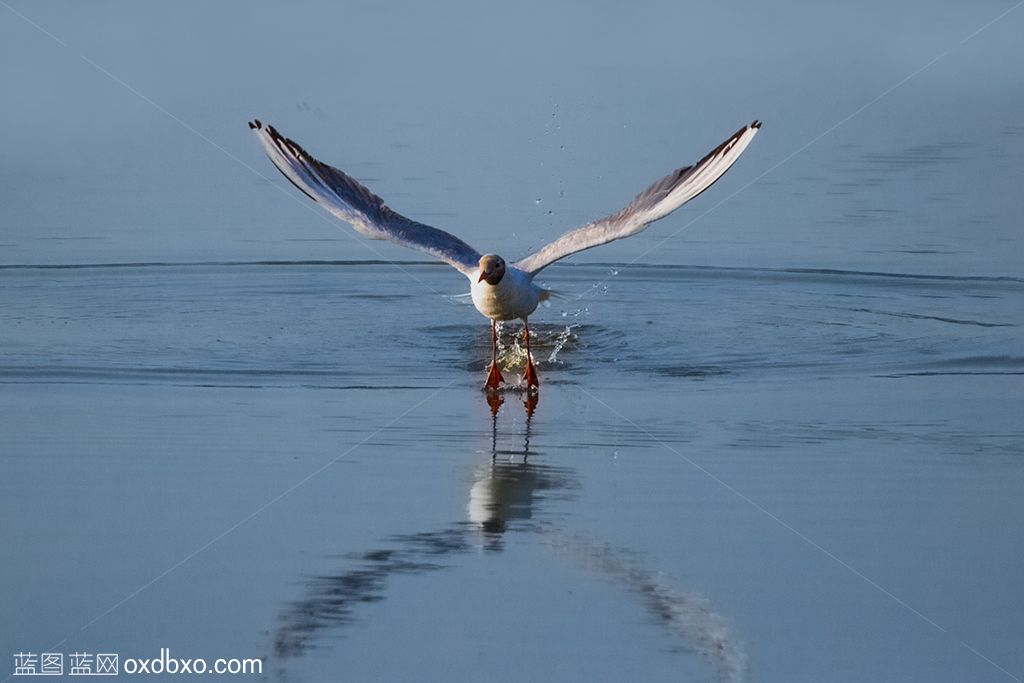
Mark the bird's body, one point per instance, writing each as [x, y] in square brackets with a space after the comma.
[514, 297]
[500, 291]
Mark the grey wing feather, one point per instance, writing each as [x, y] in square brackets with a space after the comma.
[657, 201]
[347, 199]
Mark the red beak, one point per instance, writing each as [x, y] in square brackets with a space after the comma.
[482, 277]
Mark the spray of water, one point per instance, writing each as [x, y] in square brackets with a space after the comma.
[563, 337]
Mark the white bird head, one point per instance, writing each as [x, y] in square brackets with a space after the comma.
[492, 269]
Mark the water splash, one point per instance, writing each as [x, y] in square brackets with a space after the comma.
[560, 342]
[512, 353]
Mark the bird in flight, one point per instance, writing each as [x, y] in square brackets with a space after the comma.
[500, 290]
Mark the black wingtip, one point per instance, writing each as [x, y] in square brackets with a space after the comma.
[255, 125]
[756, 124]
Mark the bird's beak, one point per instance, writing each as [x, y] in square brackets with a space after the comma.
[483, 275]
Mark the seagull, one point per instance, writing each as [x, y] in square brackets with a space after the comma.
[500, 290]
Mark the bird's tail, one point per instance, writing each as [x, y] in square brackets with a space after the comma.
[546, 294]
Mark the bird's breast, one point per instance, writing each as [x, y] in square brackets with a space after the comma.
[515, 296]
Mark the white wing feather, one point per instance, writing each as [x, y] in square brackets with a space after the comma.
[657, 201]
[344, 197]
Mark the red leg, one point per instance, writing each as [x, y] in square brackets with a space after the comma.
[531, 374]
[494, 378]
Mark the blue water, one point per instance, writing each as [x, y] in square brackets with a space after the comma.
[778, 436]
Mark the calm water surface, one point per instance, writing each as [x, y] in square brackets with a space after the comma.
[778, 437]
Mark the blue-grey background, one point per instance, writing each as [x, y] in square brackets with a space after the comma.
[779, 433]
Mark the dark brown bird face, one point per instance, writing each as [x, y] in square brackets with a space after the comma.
[492, 269]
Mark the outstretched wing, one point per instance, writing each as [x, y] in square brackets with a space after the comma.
[344, 197]
[657, 201]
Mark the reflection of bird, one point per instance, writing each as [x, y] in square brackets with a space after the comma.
[500, 290]
[504, 493]
[504, 490]
[509, 498]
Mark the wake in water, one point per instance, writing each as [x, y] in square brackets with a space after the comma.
[303, 324]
